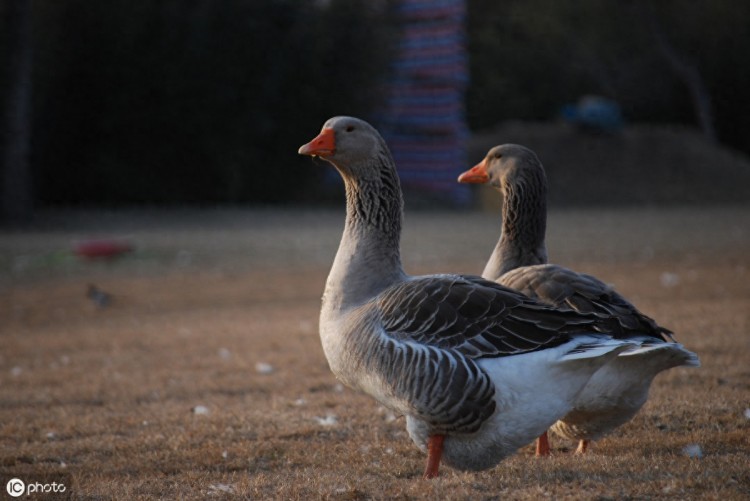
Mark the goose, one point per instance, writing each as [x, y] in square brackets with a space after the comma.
[620, 388]
[478, 369]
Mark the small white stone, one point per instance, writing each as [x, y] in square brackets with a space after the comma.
[329, 420]
[693, 451]
[263, 368]
[669, 279]
[214, 489]
[200, 410]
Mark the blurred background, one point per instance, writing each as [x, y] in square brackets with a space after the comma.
[200, 103]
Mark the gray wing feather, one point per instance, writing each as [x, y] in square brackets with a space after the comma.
[563, 288]
[433, 330]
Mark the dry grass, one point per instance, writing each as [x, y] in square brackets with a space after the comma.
[106, 396]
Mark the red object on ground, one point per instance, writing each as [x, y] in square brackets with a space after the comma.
[97, 249]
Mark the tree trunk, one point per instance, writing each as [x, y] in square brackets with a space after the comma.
[17, 198]
[688, 72]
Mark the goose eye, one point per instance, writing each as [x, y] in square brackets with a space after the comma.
[498, 155]
[349, 128]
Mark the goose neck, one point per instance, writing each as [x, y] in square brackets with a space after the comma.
[368, 259]
[524, 224]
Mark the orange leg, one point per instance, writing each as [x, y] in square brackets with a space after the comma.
[583, 446]
[434, 452]
[542, 445]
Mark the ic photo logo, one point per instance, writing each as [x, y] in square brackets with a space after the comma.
[15, 487]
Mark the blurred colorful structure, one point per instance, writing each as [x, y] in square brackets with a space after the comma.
[424, 120]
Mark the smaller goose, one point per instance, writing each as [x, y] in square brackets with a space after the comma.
[617, 391]
[478, 369]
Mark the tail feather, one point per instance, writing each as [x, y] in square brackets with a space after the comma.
[597, 347]
[680, 355]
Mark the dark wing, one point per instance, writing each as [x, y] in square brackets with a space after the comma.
[564, 288]
[435, 328]
[476, 317]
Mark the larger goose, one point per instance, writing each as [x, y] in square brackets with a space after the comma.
[617, 391]
[478, 369]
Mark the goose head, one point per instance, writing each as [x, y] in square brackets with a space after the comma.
[507, 163]
[351, 145]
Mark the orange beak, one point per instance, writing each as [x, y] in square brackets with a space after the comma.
[324, 145]
[475, 175]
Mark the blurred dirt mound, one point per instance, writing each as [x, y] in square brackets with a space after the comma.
[642, 165]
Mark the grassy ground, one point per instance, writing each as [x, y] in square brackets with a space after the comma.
[204, 377]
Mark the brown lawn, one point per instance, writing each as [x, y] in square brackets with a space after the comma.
[204, 377]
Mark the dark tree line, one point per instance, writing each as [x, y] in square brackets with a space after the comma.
[199, 101]
[194, 101]
[16, 190]
[665, 61]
